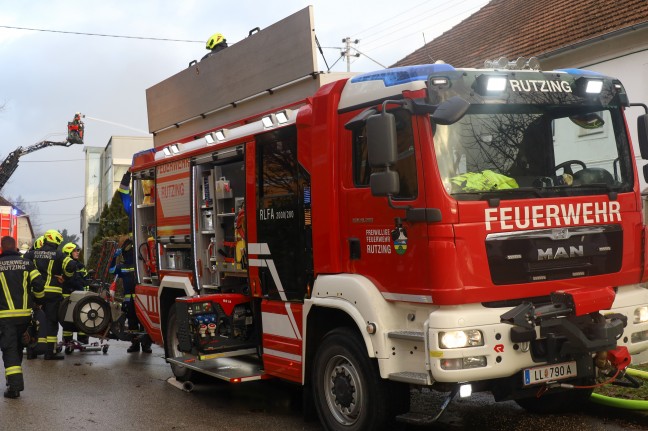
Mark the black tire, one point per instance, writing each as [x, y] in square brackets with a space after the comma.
[182, 374]
[348, 391]
[62, 311]
[91, 315]
[561, 402]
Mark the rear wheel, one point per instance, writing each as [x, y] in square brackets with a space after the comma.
[348, 391]
[171, 350]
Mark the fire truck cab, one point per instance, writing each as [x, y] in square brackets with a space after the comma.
[424, 226]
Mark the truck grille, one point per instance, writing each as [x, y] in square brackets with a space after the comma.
[554, 254]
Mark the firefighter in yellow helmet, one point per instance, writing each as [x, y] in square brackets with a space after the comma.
[215, 43]
[49, 262]
[38, 243]
[71, 283]
[20, 280]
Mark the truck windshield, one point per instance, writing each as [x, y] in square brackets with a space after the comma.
[509, 151]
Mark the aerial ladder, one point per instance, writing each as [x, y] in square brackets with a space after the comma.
[10, 163]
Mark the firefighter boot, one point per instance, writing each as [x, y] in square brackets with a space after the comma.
[146, 343]
[51, 355]
[135, 347]
[11, 393]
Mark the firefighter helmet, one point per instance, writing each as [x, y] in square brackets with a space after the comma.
[214, 40]
[39, 242]
[53, 236]
[69, 248]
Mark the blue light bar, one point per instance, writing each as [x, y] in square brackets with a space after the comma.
[580, 72]
[403, 75]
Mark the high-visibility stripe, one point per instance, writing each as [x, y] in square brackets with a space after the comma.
[16, 369]
[53, 289]
[52, 339]
[25, 287]
[7, 292]
[33, 274]
[42, 340]
[39, 295]
[15, 313]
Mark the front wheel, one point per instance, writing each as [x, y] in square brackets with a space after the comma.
[182, 374]
[348, 391]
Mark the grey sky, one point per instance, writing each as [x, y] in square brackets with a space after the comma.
[46, 77]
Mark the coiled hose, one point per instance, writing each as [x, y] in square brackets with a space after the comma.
[620, 402]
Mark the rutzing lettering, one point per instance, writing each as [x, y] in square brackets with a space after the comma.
[542, 86]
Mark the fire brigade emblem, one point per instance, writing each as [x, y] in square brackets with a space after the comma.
[399, 236]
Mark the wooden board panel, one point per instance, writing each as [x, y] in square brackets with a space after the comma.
[281, 53]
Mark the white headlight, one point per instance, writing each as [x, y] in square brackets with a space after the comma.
[458, 339]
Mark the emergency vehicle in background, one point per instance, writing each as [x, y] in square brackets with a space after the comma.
[423, 226]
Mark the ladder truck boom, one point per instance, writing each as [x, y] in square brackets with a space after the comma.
[10, 163]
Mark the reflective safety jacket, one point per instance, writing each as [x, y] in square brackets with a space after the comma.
[78, 279]
[49, 262]
[19, 279]
[484, 181]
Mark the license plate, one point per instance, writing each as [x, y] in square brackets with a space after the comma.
[549, 373]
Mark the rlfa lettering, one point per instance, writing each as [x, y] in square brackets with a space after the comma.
[542, 216]
[539, 85]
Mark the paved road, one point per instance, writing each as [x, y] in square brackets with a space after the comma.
[121, 391]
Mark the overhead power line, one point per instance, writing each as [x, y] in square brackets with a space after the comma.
[78, 33]
[52, 200]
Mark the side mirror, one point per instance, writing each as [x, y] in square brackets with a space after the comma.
[381, 140]
[384, 183]
[450, 111]
[642, 131]
[383, 154]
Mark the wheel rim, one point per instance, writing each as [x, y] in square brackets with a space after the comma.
[92, 315]
[343, 390]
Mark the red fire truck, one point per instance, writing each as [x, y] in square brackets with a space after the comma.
[423, 226]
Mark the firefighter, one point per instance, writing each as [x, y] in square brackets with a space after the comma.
[37, 329]
[76, 282]
[75, 129]
[215, 43]
[20, 280]
[126, 271]
[49, 261]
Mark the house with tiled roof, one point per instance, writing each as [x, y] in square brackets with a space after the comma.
[605, 36]
[560, 33]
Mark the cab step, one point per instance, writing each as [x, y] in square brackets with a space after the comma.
[234, 369]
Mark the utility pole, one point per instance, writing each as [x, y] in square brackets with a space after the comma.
[347, 52]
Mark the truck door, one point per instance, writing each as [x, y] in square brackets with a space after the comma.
[381, 245]
[282, 249]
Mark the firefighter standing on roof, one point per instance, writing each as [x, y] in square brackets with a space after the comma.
[215, 43]
[19, 279]
[49, 261]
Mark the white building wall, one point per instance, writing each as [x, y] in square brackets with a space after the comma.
[105, 168]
